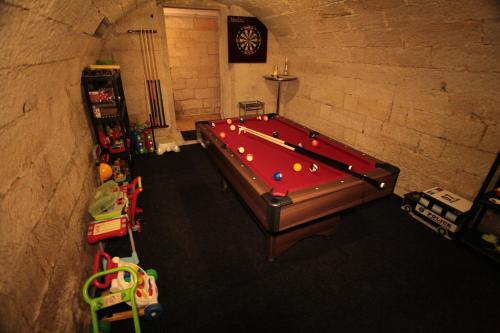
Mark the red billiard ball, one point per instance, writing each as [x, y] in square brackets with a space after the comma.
[265, 118]
[315, 143]
[222, 135]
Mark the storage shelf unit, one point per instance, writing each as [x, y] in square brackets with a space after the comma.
[471, 235]
[105, 103]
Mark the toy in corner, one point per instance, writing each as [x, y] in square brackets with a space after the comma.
[438, 209]
[142, 138]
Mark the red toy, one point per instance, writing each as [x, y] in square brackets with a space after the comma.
[119, 226]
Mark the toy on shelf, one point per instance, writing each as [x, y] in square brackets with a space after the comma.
[111, 138]
[491, 242]
[118, 170]
[105, 171]
[103, 95]
[115, 281]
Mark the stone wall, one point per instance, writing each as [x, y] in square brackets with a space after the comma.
[47, 173]
[414, 83]
[238, 82]
[125, 49]
[194, 63]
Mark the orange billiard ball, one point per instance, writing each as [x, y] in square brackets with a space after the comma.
[232, 128]
[222, 135]
[229, 121]
[297, 167]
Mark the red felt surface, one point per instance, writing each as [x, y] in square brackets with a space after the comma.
[270, 158]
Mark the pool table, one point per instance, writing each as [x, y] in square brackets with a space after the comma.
[309, 198]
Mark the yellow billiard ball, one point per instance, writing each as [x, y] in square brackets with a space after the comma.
[297, 167]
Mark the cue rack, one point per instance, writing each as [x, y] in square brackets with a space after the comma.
[153, 95]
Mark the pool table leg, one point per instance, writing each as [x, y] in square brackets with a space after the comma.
[278, 243]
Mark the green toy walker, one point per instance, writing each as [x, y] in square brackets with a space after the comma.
[105, 301]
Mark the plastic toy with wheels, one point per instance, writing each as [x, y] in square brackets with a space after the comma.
[110, 299]
[131, 191]
[115, 209]
[146, 291]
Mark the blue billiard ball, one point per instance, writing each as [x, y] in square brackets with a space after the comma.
[278, 175]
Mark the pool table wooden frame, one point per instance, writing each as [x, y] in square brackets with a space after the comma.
[302, 213]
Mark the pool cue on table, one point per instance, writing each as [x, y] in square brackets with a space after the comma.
[347, 168]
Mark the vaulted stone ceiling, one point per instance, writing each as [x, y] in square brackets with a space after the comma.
[413, 82]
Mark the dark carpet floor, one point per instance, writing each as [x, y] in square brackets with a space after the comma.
[381, 272]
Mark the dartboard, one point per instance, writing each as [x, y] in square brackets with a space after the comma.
[248, 39]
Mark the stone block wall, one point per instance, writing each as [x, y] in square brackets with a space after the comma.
[125, 49]
[47, 172]
[414, 83]
[193, 52]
